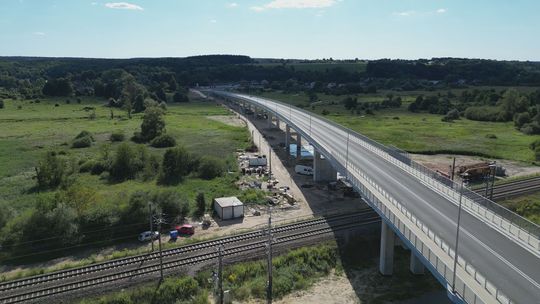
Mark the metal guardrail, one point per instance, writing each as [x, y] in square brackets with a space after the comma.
[521, 225]
[442, 266]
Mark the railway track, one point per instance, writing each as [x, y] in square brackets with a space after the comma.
[513, 189]
[42, 286]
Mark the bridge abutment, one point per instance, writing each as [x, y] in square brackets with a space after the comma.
[322, 169]
[386, 259]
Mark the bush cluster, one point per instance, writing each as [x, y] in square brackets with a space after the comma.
[210, 167]
[83, 140]
[163, 141]
[177, 164]
[117, 136]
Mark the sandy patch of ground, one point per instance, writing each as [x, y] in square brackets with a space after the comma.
[442, 162]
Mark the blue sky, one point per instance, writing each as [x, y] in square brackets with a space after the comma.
[366, 29]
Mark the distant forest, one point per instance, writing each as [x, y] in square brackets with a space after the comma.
[33, 77]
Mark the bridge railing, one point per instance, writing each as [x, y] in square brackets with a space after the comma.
[471, 286]
[509, 222]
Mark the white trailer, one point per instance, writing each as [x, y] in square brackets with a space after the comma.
[304, 170]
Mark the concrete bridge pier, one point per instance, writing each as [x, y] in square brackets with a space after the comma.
[298, 145]
[386, 259]
[277, 122]
[269, 115]
[287, 136]
[416, 265]
[322, 169]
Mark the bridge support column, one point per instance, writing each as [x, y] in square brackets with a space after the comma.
[298, 145]
[322, 169]
[287, 136]
[269, 119]
[386, 259]
[277, 122]
[416, 265]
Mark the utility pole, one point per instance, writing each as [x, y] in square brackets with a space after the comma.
[457, 238]
[220, 275]
[150, 215]
[160, 221]
[494, 170]
[453, 168]
[269, 258]
[269, 161]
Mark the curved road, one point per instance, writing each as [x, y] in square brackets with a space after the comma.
[510, 267]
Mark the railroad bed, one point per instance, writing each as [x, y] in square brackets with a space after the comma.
[513, 189]
[55, 283]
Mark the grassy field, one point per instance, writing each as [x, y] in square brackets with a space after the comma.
[422, 132]
[30, 129]
[527, 206]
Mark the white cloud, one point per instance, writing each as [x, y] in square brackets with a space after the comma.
[276, 4]
[232, 5]
[405, 13]
[39, 33]
[213, 21]
[441, 11]
[123, 5]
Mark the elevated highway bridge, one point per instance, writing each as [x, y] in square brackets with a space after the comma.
[498, 258]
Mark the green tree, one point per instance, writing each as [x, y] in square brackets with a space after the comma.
[513, 102]
[51, 171]
[153, 124]
[177, 163]
[210, 167]
[124, 165]
[201, 204]
[180, 97]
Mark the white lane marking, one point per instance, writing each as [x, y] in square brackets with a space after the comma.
[497, 255]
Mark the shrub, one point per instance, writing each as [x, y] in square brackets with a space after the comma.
[531, 128]
[486, 113]
[137, 138]
[163, 141]
[52, 171]
[172, 204]
[83, 142]
[325, 112]
[124, 165]
[153, 124]
[537, 153]
[1, 104]
[210, 167]
[201, 204]
[177, 163]
[521, 119]
[85, 134]
[117, 136]
[180, 97]
[491, 136]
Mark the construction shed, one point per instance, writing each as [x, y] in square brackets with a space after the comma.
[228, 207]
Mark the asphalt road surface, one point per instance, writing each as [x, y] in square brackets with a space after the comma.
[510, 267]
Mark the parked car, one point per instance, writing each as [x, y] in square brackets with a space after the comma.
[148, 235]
[185, 229]
[304, 170]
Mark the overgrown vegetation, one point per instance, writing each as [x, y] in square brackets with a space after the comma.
[103, 187]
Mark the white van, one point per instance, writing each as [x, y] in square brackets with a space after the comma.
[304, 170]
